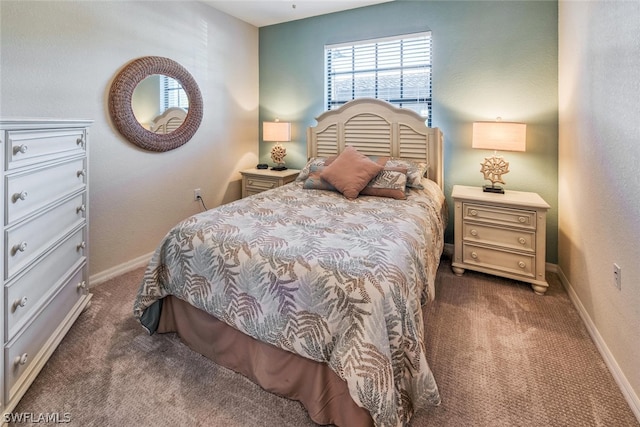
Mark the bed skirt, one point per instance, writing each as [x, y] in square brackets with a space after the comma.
[324, 395]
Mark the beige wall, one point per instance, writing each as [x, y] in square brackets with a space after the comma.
[599, 184]
[58, 59]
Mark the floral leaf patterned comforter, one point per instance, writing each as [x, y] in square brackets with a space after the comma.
[334, 280]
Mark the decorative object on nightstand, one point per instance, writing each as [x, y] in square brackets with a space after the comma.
[498, 135]
[256, 181]
[277, 132]
[500, 234]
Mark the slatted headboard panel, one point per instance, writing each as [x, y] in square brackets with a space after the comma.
[377, 128]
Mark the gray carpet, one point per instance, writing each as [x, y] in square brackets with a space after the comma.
[502, 356]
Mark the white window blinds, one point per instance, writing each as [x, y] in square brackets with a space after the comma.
[396, 69]
[172, 94]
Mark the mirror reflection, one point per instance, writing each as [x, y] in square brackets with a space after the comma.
[160, 103]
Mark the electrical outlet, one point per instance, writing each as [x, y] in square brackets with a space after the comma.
[617, 276]
[196, 194]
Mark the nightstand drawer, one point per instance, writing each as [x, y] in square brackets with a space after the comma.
[498, 215]
[506, 237]
[260, 184]
[509, 262]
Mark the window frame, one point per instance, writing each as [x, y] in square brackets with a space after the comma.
[330, 71]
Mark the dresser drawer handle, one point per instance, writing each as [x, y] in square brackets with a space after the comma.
[250, 182]
[473, 212]
[19, 196]
[80, 142]
[522, 219]
[82, 286]
[273, 184]
[82, 172]
[521, 264]
[20, 149]
[19, 303]
[81, 208]
[474, 232]
[21, 360]
[522, 240]
[20, 247]
[82, 245]
[474, 255]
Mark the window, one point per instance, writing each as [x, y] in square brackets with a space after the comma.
[396, 69]
[172, 94]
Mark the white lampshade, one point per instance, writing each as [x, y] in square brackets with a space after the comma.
[502, 136]
[276, 131]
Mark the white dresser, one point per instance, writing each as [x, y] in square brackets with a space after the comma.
[500, 234]
[45, 244]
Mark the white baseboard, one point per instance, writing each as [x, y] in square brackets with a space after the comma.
[126, 267]
[627, 391]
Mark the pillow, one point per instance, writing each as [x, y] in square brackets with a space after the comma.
[350, 172]
[390, 182]
[415, 170]
[314, 161]
[315, 182]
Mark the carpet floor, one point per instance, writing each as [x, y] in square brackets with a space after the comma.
[502, 356]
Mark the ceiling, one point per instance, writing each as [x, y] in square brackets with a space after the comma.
[261, 13]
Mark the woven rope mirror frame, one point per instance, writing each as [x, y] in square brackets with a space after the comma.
[121, 110]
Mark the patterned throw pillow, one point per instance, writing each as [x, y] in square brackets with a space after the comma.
[314, 161]
[415, 170]
[350, 172]
[315, 182]
[390, 182]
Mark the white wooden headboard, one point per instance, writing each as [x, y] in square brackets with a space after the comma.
[377, 128]
[168, 121]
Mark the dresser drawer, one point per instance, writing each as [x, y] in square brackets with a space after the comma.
[257, 185]
[28, 240]
[509, 262]
[27, 147]
[29, 291]
[33, 190]
[23, 352]
[498, 215]
[511, 238]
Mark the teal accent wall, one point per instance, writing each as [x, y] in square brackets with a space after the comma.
[490, 59]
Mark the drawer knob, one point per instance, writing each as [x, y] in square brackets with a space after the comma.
[273, 184]
[20, 196]
[82, 285]
[522, 240]
[80, 142]
[521, 264]
[82, 172]
[82, 245]
[21, 247]
[522, 219]
[21, 360]
[22, 148]
[19, 303]
[473, 212]
[474, 232]
[81, 208]
[250, 182]
[474, 255]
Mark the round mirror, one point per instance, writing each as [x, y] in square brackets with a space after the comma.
[160, 103]
[155, 103]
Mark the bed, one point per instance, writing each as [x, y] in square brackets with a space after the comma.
[312, 295]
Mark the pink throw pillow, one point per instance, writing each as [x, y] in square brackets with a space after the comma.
[350, 172]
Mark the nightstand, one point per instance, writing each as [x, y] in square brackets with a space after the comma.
[500, 234]
[256, 181]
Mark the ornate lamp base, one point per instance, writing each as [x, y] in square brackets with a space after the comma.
[278, 152]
